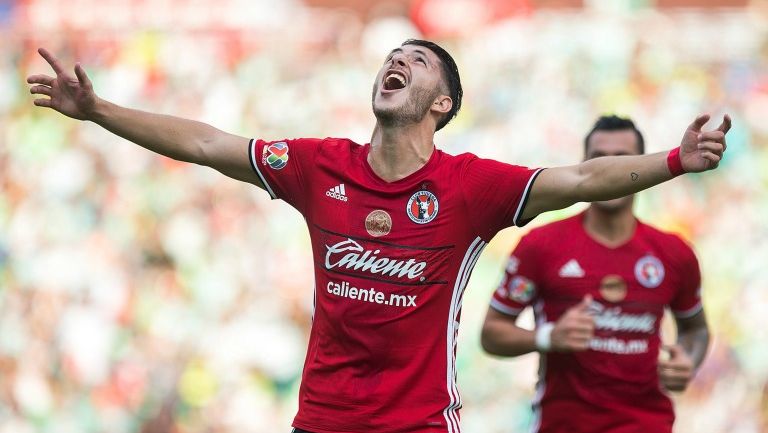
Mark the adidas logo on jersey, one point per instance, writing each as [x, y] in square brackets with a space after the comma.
[571, 269]
[337, 192]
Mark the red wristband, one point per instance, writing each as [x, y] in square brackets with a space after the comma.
[674, 163]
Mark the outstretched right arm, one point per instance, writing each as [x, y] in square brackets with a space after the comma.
[177, 138]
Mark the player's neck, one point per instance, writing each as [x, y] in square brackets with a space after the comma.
[398, 152]
[610, 228]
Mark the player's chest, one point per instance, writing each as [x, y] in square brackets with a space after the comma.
[630, 276]
[421, 214]
[405, 237]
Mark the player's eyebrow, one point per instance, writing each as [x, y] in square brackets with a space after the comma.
[393, 52]
[416, 50]
[423, 53]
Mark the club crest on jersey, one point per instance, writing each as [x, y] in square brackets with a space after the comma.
[275, 155]
[521, 289]
[422, 207]
[649, 271]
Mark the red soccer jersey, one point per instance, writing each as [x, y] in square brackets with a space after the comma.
[391, 263]
[614, 385]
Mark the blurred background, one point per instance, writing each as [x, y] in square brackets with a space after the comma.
[138, 294]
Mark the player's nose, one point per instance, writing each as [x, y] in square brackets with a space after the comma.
[399, 59]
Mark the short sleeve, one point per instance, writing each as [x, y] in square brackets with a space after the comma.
[687, 300]
[285, 167]
[495, 194]
[519, 287]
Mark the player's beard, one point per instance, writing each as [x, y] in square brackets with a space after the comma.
[412, 111]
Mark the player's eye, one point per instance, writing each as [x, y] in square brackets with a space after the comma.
[421, 59]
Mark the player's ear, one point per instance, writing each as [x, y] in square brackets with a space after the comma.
[442, 104]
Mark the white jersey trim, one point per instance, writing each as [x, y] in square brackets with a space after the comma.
[469, 261]
[505, 309]
[524, 197]
[541, 384]
[255, 165]
[684, 314]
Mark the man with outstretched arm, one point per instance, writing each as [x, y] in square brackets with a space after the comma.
[599, 283]
[396, 227]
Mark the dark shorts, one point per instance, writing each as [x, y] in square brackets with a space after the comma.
[298, 430]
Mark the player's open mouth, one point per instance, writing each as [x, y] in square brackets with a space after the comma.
[393, 80]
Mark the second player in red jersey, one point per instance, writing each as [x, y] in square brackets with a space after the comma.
[599, 283]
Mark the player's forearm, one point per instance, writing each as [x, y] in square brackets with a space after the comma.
[612, 177]
[507, 340]
[695, 342]
[174, 137]
[597, 179]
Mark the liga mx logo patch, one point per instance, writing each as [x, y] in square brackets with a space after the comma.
[422, 207]
[275, 155]
[649, 271]
[521, 289]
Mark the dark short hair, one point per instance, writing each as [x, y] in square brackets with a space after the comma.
[615, 123]
[450, 76]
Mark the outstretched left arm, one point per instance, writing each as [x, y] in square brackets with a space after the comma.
[612, 177]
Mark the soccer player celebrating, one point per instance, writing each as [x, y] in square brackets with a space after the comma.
[599, 283]
[396, 227]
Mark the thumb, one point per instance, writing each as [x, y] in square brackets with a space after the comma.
[674, 350]
[725, 126]
[82, 77]
[700, 121]
[584, 305]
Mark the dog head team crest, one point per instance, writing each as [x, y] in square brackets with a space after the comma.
[649, 271]
[275, 155]
[422, 207]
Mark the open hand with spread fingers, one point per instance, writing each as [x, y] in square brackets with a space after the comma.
[70, 95]
[703, 150]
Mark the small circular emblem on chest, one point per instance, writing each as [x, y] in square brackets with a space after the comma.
[378, 223]
[613, 288]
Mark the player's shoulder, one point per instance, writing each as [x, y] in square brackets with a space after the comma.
[667, 240]
[662, 235]
[339, 144]
[471, 163]
[466, 156]
[337, 149]
[461, 160]
[469, 157]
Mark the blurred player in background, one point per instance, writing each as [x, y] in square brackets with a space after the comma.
[396, 228]
[599, 283]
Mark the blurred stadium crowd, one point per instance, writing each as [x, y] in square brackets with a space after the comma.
[138, 294]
